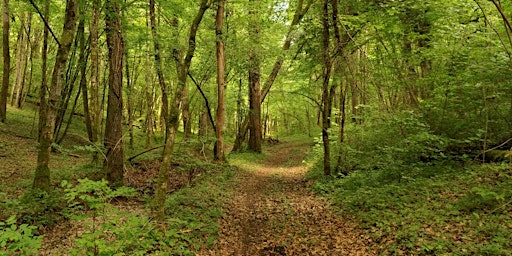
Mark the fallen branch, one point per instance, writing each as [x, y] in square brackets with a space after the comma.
[144, 152]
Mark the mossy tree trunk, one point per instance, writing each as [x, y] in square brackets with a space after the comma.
[42, 174]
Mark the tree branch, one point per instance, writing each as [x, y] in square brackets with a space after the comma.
[45, 21]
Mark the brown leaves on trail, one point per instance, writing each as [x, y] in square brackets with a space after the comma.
[272, 212]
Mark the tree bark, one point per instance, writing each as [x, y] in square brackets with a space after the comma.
[113, 165]
[221, 110]
[42, 174]
[44, 77]
[327, 66]
[95, 100]
[7, 61]
[254, 83]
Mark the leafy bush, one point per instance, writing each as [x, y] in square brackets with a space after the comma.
[18, 239]
[109, 230]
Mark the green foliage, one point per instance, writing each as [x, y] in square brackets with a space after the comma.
[18, 239]
[109, 230]
[451, 211]
[194, 210]
[93, 195]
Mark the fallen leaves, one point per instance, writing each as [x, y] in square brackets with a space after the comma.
[273, 212]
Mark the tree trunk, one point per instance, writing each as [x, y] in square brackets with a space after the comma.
[82, 62]
[44, 69]
[113, 165]
[221, 108]
[42, 174]
[22, 90]
[7, 61]
[149, 103]
[172, 122]
[158, 63]
[129, 95]
[326, 119]
[297, 17]
[254, 83]
[96, 101]
[21, 53]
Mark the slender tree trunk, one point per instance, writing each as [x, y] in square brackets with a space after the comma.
[327, 66]
[96, 101]
[221, 110]
[149, 104]
[71, 114]
[42, 174]
[158, 63]
[254, 83]
[113, 165]
[44, 69]
[185, 113]
[82, 62]
[165, 168]
[241, 123]
[27, 49]
[7, 61]
[129, 96]
[20, 63]
[300, 11]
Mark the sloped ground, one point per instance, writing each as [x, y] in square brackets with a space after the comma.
[273, 212]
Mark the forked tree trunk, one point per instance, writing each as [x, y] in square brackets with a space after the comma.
[7, 61]
[113, 165]
[42, 174]
[221, 110]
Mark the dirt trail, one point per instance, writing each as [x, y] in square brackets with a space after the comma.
[273, 212]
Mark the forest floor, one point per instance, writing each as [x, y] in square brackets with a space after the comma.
[273, 211]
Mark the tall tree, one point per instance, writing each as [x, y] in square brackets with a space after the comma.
[326, 98]
[95, 106]
[173, 120]
[221, 64]
[300, 11]
[158, 61]
[44, 76]
[42, 174]
[254, 82]
[7, 61]
[113, 165]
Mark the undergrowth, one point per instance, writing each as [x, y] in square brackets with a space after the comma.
[411, 198]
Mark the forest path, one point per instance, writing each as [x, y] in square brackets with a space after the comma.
[273, 212]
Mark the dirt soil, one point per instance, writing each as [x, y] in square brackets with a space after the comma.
[273, 212]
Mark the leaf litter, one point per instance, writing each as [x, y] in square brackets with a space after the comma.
[273, 212]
